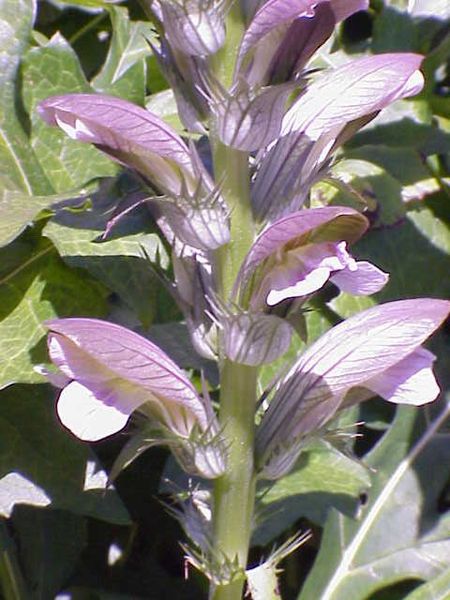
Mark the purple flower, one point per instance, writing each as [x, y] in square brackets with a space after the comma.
[247, 120]
[112, 372]
[295, 256]
[284, 34]
[129, 134]
[377, 351]
[193, 27]
[191, 212]
[335, 105]
[353, 90]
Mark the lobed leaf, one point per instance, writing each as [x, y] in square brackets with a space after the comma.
[123, 73]
[50, 466]
[38, 286]
[19, 169]
[54, 68]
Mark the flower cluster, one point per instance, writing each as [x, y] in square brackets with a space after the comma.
[284, 124]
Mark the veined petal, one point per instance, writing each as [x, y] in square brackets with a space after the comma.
[195, 27]
[293, 44]
[363, 280]
[327, 224]
[126, 132]
[126, 370]
[354, 353]
[200, 223]
[338, 102]
[272, 14]
[371, 341]
[301, 39]
[286, 172]
[358, 88]
[249, 124]
[270, 43]
[255, 339]
[410, 381]
[87, 416]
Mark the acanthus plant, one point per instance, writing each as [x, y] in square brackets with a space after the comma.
[248, 253]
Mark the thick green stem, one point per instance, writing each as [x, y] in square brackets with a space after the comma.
[234, 492]
[223, 62]
[231, 167]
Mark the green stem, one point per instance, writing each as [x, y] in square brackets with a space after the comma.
[223, 62]
[231, 168]
[234, 492]
[92, 24]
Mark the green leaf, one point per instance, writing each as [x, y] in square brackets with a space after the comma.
[398, 534]
[382, 190]
[406, 166]
[49, 70]
[19, 169]
[34, 445]
[323, 478]
[394, 31]
[123, 73]
[120, 262]
[36, 287]
[404, 125]
[163, 105]
[50, 544]
[436, 589]
[403, 164]
[18, 210]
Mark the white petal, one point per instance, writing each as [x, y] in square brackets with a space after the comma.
[312, 282]
[87, 417]
[69, 129]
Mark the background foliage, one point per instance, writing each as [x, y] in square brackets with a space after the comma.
[62, 530]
